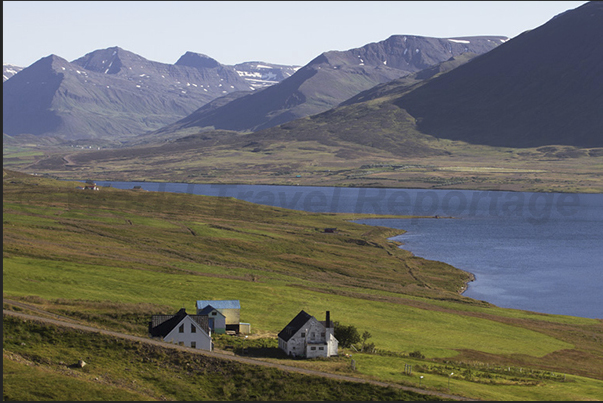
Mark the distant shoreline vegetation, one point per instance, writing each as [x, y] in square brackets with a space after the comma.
[533, 206]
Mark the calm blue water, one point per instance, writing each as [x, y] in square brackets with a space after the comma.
[532, 251]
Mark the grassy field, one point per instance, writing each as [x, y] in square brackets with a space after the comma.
[310, 162]
[112, 258]
[123, 370]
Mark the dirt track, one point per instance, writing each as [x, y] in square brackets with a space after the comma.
[61, 321]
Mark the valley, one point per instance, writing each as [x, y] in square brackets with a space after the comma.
[337, 122]
[84, 269]
[232, 158]
[111, 258]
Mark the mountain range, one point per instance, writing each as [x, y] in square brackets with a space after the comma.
[333, 77]
[115, 94]
[540, 88]
[543, 87]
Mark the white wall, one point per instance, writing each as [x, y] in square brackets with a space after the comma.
[200, 337]
[312, 330]
[317, 350]
[333, 344]
[219, 321]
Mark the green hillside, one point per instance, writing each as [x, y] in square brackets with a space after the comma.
[111, 258]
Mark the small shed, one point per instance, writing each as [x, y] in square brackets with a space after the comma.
[245, 328]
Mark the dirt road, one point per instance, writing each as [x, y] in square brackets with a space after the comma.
[60, 321]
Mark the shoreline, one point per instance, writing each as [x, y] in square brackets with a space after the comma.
[427, 187]
[291, 201]
[472, 277]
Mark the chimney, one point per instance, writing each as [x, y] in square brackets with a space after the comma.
[328, 320]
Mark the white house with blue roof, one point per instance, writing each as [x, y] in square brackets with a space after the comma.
[215, 319]
[231, 309]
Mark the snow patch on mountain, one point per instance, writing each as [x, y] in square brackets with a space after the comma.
[458, 41]
[261, 75]
[9, 70]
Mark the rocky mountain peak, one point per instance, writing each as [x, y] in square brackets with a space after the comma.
[50, 63]
[408, 53]
[109, 61]
[331, 78]
[197, 60]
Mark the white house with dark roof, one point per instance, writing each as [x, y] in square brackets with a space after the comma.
[308, 337]
[183, 329]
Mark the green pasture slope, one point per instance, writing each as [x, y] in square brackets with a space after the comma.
[112, 258]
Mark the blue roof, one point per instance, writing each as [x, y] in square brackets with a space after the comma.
[219, 304]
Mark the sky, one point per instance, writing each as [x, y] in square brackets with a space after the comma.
[280, 32]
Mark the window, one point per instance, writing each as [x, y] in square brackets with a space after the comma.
[181, 329]
[193, 328]
[322, 335]
[312, 348]
[193, 344]
[303, 335]
[321, 348]
[214, 313]
[313, 335]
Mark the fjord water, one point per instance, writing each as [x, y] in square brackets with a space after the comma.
[540, 252]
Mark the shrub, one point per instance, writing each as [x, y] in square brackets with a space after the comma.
[416, 354]
[346, 335]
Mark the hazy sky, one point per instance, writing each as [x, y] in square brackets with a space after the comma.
[282, 32]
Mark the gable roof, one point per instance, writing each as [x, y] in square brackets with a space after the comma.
[162, 325]
[219, 304]
[207, 310]
[300, 320]
[202, 321]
